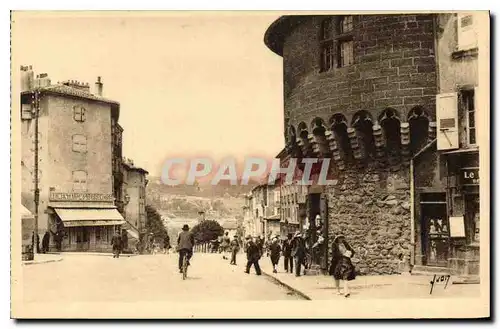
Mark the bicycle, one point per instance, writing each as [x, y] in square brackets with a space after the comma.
[184, 266]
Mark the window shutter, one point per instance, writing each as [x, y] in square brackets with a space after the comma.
[447, 121]
[466, 31]
[26, 112]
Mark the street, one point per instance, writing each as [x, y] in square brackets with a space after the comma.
[148, 278]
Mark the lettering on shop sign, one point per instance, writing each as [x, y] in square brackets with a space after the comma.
[438, 279]
[470, 176]
[81, 197]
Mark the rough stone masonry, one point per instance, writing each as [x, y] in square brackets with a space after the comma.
[371, 208]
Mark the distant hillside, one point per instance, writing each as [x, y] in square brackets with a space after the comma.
[185, 202]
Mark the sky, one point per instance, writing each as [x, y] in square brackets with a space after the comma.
[189, 84]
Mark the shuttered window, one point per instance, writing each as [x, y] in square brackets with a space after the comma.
[447, 121]
[466, 31]
[79, 181]
[79, 143]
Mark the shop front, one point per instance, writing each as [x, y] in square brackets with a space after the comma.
[89, 229]
[465, 212]
[83, 222]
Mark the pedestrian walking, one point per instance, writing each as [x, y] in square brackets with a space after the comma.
[45, 242]
[166, 245]
[298, 252]
[260, 243]
[116, 242]
[253, 256]
[287, 253]
[226, 244]
[275, 250]
[341, 266]
[235, 247]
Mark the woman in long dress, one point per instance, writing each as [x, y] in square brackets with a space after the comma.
[341, 266]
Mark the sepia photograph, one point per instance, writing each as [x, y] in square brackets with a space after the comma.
[255, 164]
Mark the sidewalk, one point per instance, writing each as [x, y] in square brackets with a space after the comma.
[44, 258]
[322, 287]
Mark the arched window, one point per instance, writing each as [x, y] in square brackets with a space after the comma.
[338, 124]
[363, 123]
[419, 128]
[391, 125]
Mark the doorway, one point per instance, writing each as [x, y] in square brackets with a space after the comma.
[435, 229]
[82, 238]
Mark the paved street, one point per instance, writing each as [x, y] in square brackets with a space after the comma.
[91, 278]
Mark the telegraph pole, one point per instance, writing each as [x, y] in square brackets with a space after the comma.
[36, 103]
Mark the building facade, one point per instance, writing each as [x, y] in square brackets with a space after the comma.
[362, 90]
[67, 162]
[134, 195]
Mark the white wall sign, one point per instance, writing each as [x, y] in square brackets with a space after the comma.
[457, 227]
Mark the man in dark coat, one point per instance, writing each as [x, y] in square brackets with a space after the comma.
[45, 242]
[253, 256]
[298, 252]
[287, 253]
[116, 242]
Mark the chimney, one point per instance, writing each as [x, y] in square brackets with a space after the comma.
[98, 87]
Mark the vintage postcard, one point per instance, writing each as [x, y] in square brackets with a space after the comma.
[250, 164]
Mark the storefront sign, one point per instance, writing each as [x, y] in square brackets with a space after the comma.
[457, 227]
[81, 197]
[470, 176]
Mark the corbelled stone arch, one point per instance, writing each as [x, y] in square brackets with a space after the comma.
[362, 122]
[303, 138]
[339, 125]
[418, 120]
[391, 126]
[320, 144]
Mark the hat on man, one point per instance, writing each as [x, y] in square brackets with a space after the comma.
[185, 227]
[249, 237]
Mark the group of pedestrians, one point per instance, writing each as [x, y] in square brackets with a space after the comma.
[294, 252]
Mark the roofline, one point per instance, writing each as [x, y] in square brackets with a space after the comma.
[135, 168]
[90, 97]
[274, 37]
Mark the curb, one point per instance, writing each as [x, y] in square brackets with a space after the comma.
[281, 283]
[35, 262]
[95, 254]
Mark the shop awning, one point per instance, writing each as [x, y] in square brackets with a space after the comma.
[25, 213]
[89, 217]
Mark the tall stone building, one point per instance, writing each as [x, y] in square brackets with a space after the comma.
[134, 191]
[362, 90]
[71, 169]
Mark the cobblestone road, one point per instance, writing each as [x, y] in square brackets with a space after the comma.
[87, 278]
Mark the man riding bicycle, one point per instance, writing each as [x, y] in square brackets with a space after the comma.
[185, 243]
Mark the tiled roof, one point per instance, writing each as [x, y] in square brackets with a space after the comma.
[75, 92]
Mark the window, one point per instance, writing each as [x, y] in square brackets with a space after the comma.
[79, 113]
[346, 53]
[345, 50]
[336, 43]
[79, 143]
[326, 45]
[470, 114]
[79, 181]
[466, 32]
[345, 24]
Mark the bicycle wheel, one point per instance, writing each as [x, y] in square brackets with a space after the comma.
[184, 267]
